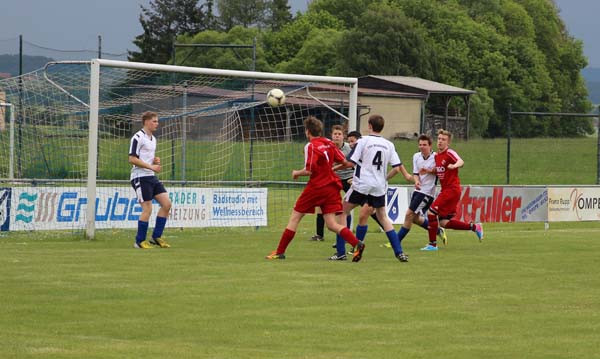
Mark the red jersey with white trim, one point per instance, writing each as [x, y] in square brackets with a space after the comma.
[448, 177]
[319, 156]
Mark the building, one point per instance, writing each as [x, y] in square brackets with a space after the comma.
[415, 105]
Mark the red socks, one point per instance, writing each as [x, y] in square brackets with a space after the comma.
[454, 224]
[285, 240]
[433, 228]
[348, 236]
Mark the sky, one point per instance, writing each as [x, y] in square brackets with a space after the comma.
[76, 24]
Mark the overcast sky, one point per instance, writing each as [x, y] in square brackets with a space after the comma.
[76, 24]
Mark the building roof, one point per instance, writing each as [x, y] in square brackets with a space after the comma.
[417, 84]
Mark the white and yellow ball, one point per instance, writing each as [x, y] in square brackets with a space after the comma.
[275, 97]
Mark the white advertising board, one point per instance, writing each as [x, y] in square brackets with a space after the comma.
[573, 204]
[46, 208]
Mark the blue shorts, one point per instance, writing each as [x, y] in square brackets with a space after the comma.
[146, 188]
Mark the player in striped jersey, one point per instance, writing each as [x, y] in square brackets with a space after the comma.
[145, 183]
[447, 163]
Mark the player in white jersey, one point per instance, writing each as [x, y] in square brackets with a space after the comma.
[142, 151]
[424, 193]
[371, 158]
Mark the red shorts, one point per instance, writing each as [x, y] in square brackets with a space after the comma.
[445, 203]
[328, 198]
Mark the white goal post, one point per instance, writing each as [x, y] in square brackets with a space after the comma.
[11, 126]
[96, 69]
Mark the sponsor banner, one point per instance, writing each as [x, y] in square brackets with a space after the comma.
[5, 197]
[49, 208]
[397, 203]
[573, 204]
[503, 204]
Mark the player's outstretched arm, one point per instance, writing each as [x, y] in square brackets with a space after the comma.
[406, 175]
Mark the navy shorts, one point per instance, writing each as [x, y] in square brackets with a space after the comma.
[420, 202]
[355, 197]
[146, 188]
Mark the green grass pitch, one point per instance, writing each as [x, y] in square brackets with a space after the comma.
[522, 293]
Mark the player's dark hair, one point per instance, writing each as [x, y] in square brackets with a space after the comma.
[376, 122]
[354, 134]
[313, 125]
[424, 137]
[148, 115]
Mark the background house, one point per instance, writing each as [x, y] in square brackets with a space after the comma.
[425, 106]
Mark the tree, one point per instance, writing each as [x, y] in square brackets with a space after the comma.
[211, 22]
[223, 58]
[281, 46]
[347, 11]
[317, 54]
[386, 42]
[245, 13]
[279, 14]
[162, 22]
[482, 110]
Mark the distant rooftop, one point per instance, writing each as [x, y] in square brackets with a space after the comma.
[415, 84]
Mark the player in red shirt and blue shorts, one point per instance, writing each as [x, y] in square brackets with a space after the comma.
[322, 190]
[447, 163]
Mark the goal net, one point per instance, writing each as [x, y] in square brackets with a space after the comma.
[226, 155]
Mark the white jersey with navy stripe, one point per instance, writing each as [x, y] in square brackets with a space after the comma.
[372, 155]
[143, 147]
[428, 180]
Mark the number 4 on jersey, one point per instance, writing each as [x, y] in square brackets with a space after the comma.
[377, 160]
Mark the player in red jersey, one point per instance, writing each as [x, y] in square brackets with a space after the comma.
[447, 163]
[322, 190]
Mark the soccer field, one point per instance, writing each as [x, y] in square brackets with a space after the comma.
[522, 293]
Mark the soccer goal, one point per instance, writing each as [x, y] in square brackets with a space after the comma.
[226, 154]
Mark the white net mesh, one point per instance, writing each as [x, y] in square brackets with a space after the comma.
[215, 132]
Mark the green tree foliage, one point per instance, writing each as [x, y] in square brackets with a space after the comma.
[385, 42]
[162, 22]
[278, 14]
[241, 12]
[347, 11]
[222, 58]
[482, 110]
[315, 55]
[282, 46]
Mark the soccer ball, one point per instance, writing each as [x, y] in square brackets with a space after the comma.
[275, 97]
